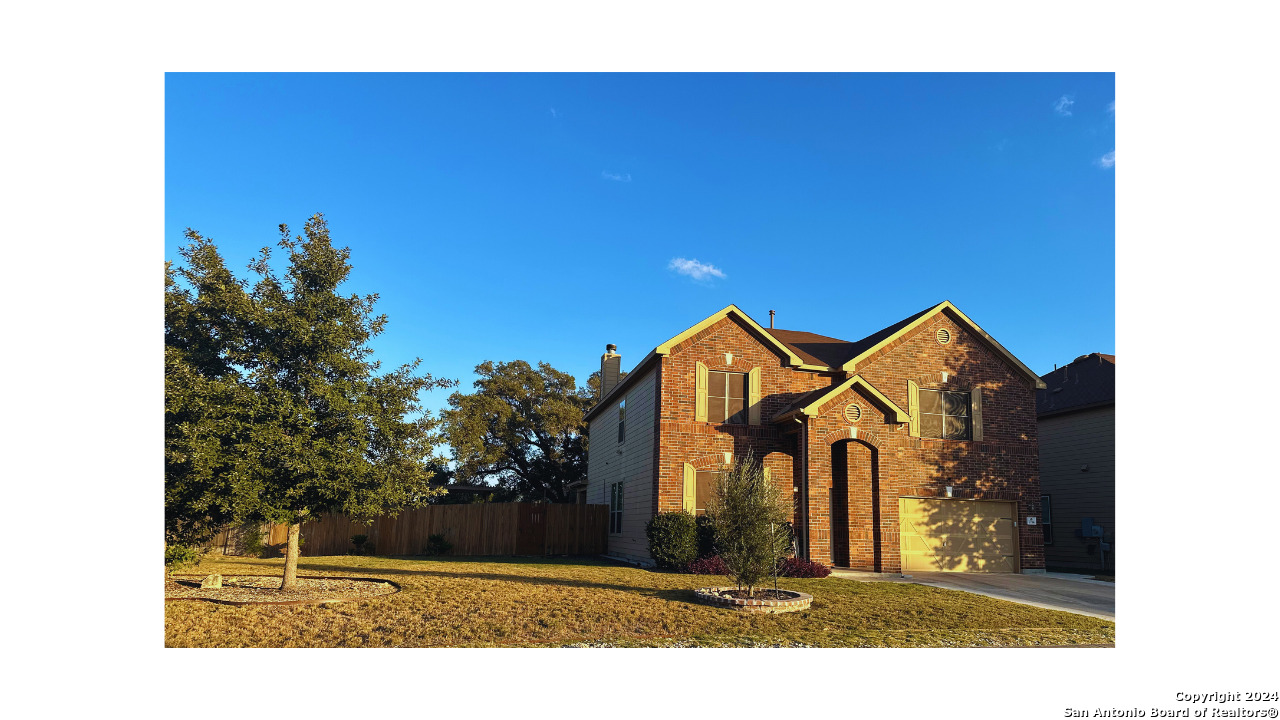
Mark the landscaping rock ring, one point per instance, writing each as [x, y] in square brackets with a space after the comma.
[790, 602]
[264, 590]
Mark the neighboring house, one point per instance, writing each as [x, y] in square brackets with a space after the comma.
[1077, 418]
[911, 449]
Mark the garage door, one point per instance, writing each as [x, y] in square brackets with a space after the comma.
[957, 535]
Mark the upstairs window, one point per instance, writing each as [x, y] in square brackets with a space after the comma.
[944, 415]
[622, 421]
[726, 393]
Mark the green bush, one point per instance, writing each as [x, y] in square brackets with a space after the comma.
[750, 516]
[673, 539]
[179, 557]
[706, 538]
[363, 546]
[437, 545]
[253, 544]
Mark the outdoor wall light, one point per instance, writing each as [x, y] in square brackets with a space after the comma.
[948, 491]
[1084, 467]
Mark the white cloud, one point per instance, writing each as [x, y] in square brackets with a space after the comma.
[695, 269]
[1063, 105]
[1108, 160]
[1111, 108]
[616, 177]
[554, 114]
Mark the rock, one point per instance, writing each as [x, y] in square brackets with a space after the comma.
[212, 581]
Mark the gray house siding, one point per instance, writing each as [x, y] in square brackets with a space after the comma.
[629, 462]
[1069, 442]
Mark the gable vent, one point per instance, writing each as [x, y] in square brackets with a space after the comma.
[944, 336]
[852, 412]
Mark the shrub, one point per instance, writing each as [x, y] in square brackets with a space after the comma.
[794, 567]
[361, 543]
[706, 537]
[749, 514]
[179, 557]
[437, 545]
[253, 544]
[708, 566]
[673, 539]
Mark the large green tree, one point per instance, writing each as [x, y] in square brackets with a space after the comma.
[522, 428]
[275, 410]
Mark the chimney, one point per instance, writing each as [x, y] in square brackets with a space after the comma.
[610, 369]
[770, 319]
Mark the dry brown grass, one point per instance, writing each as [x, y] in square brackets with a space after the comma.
[537, 602]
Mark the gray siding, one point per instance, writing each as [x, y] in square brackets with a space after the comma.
[630, 462]
[1068, 442]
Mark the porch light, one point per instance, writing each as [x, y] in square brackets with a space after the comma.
[948, 491]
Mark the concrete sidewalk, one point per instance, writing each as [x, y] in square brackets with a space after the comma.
[1054, 591]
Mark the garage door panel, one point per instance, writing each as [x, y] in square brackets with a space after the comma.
[957, 535]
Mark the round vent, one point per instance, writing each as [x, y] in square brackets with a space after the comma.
[944, 336]
[852, 412]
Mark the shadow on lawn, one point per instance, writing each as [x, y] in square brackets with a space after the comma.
[685, 595]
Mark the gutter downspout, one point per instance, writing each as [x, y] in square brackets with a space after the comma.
[802, 440]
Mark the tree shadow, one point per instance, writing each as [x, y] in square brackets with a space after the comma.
[663, 593]
[1001, 469]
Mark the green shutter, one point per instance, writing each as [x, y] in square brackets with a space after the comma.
[913, 408]
[700, 394]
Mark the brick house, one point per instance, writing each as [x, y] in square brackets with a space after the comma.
[911, 449]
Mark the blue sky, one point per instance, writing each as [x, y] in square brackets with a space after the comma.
[540, 217]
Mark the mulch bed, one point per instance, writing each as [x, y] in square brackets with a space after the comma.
[265, 589]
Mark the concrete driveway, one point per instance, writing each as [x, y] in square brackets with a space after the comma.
[1055, 591]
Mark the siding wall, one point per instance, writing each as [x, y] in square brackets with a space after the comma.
[1068, 442]
[630, 462]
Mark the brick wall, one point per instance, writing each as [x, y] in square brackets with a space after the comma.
[880, 460]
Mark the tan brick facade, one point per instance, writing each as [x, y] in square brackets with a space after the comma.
[847, 477]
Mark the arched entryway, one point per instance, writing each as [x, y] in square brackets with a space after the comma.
[855, 506]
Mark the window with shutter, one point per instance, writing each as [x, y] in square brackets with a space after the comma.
[726, 398]
[944, 415]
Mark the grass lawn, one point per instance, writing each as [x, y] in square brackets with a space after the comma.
[488, 602]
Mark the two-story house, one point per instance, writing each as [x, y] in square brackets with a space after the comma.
[913, 448]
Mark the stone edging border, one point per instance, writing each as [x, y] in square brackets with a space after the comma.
[347, 598]
[712, 596]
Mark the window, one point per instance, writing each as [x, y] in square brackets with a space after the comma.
[622, 421]
[1046, 518]
[704, 484]
[615, 508]
[725, 398]
[944, 415]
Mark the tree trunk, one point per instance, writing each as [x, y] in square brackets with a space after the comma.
[291, 558]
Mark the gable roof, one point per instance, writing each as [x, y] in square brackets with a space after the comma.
[875, 342]
[811, 403]
[1089, 381]
[793, 358]
[810, 351]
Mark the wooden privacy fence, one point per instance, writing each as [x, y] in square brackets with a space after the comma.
[478, 529]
